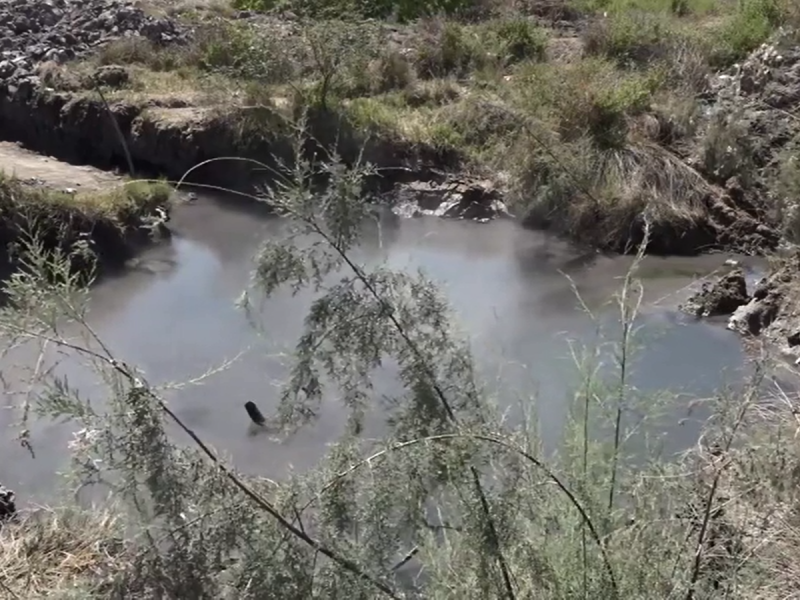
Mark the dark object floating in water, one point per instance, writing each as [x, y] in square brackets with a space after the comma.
[254, 414]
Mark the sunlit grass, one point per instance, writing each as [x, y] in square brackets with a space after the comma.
[116, 204]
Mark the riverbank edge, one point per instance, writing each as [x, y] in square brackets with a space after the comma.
[114, 223]
[173, 141]
[184, 144]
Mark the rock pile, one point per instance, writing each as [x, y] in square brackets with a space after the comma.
[459, 198]
[757, 94]
[721, 297]
[772, 72]
[36, 31]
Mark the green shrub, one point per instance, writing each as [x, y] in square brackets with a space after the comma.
[434, 92]
[675, 7]
[518, 39]
[482, 123]
[239, 51]
[726, 149]
[631, 38]
[787, 192]
[590, 97]
[446, 49]
[749, 27]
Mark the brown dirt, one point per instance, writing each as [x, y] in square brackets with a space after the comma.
[51, 172]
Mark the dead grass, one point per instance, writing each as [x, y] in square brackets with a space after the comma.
[605, 197]
[60, 553]
[759, 496]
[117, 205]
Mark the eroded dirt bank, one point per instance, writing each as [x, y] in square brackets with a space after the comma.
[703, 184]
[70, 119]
[65, 204]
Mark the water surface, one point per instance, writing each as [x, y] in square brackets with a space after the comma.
[174, 315]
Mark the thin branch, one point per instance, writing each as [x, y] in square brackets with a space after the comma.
[13, 594]
[627, 315]
[494, 536]
[139, 383]
[539, 464]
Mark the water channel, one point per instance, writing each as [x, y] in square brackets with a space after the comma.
[174, 316]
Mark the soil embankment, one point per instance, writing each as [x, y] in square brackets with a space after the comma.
[65, 204]
[105, 83]
[761, 93]
[56, 112]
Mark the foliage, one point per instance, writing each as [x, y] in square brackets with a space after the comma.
[467, 502]
[451, 485]
[787, 192]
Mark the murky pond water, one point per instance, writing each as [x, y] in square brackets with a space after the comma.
[173, 314]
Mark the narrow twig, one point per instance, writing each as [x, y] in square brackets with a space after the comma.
[14, 595]
[117, 128]
[139, 383]
[494, 536]
[406, 559]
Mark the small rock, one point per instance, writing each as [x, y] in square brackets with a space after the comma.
[7, 69]
[113, 76]
[455, 199]
[8, 508]
[21, 25]
[723, 297]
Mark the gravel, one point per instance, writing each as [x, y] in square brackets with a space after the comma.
[37, 31]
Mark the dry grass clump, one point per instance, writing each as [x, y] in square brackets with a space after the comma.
[590, 165]
[61, 553]
[759, 500]
[605, 197]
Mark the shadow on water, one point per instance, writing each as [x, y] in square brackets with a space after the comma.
[174, 316]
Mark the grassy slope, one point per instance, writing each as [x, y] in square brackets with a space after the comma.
[587, 126]
[62, 216]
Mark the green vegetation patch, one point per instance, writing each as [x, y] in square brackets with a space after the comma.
[468, 79]
[120, 205]
[63, 219]
[400, 10]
